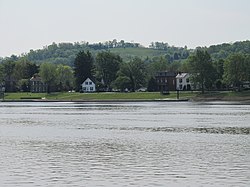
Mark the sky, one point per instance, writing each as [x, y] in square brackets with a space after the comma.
[33, 24]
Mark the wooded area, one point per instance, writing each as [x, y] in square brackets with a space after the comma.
[125, 65]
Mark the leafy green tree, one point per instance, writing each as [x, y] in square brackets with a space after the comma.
[135, 71]
[157, 64]
[9, 79]
[83, 68]
[219, 67]
[48, 74]
[65, 77]
[201, 69]
[107, 66]
[122, 83]
[24, 69]
[247, 67]
[1, 73]
[235, 70]
[23, 85]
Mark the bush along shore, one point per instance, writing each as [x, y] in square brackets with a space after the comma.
[132, 96]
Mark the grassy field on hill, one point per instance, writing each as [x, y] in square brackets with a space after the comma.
[143, 53]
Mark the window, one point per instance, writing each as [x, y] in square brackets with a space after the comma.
[86, 83]
[84, 88]
[180, 80]
[187, 80]
[90, 83]
[91, 88]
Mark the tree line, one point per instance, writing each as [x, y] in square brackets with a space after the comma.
[110, 71]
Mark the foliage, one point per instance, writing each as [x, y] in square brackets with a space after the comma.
[237, 69]
[83, 68]
[201, 69]
[122, 83]
[65, 77]
[135, 71]
[107, 66]
[218, 68]
[48, 74]
[1, 73]
[152, 85]
[222, 51]
[24, 69]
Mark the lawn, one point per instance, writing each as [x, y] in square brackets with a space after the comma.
[105, 96]
[97, 96]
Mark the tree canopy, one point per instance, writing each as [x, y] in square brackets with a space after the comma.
[202, 69]
[83, 68]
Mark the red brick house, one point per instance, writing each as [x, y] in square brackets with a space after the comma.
[166, 81]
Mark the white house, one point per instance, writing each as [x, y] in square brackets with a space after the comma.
[183, 81]
[88, 86]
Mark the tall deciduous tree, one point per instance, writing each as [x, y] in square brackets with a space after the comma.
[107, 66]
[25, 69]
[135, 71]
[1, 73]
[8, 68]
[83, 68]
[48, 74]
[202, 69]
[236, 70]
[65, 77]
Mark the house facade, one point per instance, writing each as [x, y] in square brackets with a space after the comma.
[166, 81]
[88, 86]
[37, 85]
[183, 81]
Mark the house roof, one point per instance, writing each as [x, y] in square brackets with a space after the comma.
[36, 78]
[88, 79]
[165, 74]
[181, 75]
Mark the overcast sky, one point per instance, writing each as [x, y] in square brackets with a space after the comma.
[32, 24]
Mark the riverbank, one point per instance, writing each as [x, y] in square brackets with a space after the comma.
[127, 97]
[223, 96]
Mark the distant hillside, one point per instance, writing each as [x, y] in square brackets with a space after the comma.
[222, 51]
[65, 53]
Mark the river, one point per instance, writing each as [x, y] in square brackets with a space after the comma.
[125, 144]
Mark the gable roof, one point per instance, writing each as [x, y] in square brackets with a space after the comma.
[165, 74]
[88, 79]
[181, 75]
[36, 77]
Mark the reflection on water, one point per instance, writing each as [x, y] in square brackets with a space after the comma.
[124, 144]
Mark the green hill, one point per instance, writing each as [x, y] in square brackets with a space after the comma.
[65, 53]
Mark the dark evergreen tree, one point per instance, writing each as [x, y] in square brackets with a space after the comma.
[152, 85]
[83, 68]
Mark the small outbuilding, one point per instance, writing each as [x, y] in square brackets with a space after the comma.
[88, 86]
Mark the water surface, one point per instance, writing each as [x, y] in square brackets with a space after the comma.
[125, 144]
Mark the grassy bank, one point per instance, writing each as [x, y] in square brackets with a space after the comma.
[74, 96]
[97, 96]
[223, 96]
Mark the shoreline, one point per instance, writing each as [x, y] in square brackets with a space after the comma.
[195, 100]
[129, 97]
[96, 100]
